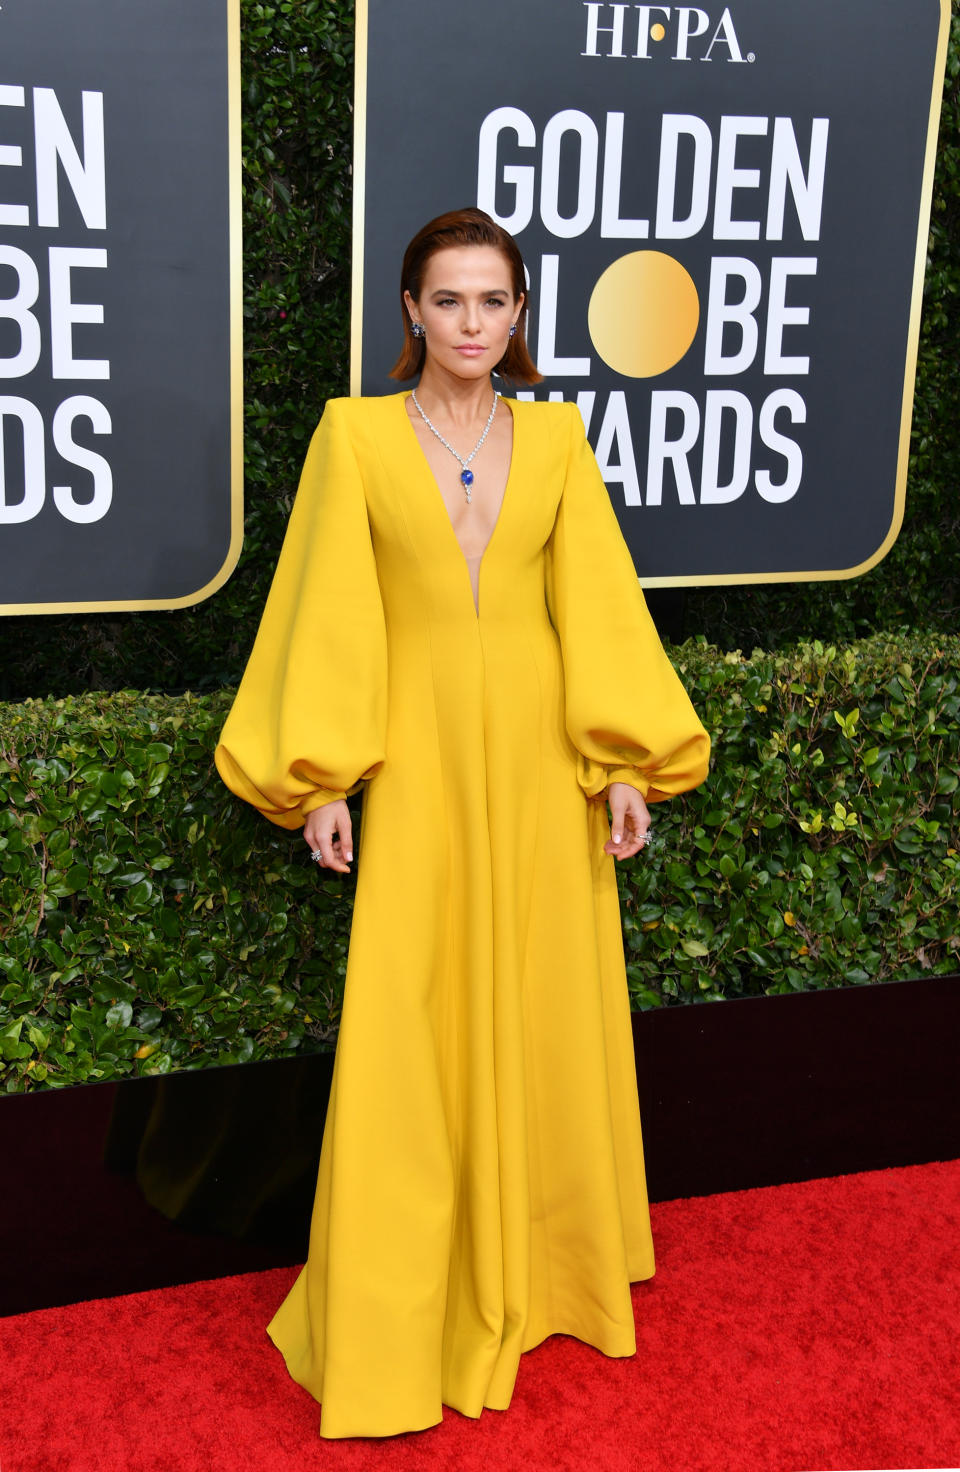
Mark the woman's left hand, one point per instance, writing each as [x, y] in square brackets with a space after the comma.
[629, 821]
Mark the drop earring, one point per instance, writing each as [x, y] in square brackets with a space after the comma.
[513, 329]
[417, 329]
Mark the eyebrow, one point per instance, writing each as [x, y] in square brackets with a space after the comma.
[488, 291]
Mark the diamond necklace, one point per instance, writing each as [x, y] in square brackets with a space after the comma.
[466, 475]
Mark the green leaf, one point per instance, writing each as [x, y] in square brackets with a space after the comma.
[695, 948]
[140, 895]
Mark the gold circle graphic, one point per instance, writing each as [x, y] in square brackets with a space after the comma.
[658, 31]
[643, 313]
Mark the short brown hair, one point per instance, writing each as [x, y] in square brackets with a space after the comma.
[464, 227]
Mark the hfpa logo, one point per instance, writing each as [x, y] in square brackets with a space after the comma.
[611, 27]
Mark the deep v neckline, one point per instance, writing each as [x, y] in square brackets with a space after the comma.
[402, 398]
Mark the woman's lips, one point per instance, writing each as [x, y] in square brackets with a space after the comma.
[470, 349]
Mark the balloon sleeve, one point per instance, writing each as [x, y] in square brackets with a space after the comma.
[308, 722]
[626, 710]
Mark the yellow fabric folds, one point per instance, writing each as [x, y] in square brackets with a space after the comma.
[481, 1181]
[627, 712]
[308, 723]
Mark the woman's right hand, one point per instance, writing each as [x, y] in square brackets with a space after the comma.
[328, 828]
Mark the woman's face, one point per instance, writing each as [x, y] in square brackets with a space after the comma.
[467, 308]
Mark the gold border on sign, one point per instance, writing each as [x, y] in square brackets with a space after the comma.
[235, 272]
[909, 378]
[359, 194]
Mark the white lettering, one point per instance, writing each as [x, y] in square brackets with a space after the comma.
[720, 311]
[54, 143]
[789, 399]
[729, 178]
[779, 315]
[615, 432]
[611, 225]
[806, 188]
[685, 23]
[726, 418]
[712, 493]
[547, 360]
[586, 398]
[521, 176]
[661, 449]
[17, 309]
[726, 34]
[594, 29]
[81, 407]
[674, 126]
[34, 475]
[566, 227]
[682, 208]
[11, 157]
[65, 312]
[644, 13]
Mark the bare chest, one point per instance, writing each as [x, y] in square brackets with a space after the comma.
[472, 521]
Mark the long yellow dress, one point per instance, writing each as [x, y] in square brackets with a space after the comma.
[481, 1180]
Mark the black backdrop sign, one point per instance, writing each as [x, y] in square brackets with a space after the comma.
[120, 464]
[723, 212]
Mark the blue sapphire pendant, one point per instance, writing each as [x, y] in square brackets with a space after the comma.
[466, 475]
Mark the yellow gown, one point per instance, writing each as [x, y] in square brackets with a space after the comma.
[481, 1181]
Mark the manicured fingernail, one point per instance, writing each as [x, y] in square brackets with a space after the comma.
[349, 856]
[616, 838]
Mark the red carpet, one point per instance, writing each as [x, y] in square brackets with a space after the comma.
[801, 1328]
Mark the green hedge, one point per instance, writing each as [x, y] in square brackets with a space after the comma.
[149, 921]
[297, 71]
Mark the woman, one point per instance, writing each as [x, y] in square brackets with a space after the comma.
[455, 627]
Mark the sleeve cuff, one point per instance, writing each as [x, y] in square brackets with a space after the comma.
[631, 776]
[322, 795]
[319, 798]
